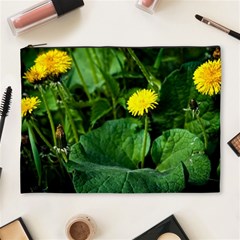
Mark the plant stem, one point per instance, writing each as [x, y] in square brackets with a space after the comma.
[153, 82]
[80, 75]
[158, 59]
[91, 63]
[49, 114]
[40, 133]
[114, 104]
[141, 66]
[203, 132]
[144, 141]
[60, 91]
[95, 56]
[67, 92]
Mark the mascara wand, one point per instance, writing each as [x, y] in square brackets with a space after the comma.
[4, 108]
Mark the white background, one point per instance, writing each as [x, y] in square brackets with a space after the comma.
[120, 23]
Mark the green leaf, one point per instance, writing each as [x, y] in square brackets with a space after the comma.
[176, 92]
[116, 63]
[106, 160]
[179, 145]
[111, 83]
[99, 109]
[116, 143]
[82, 60]
[199, 168]
[154, 83]
[95, 178]
[209, 117]
[93, 62]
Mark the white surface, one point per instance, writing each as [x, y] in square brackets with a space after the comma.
[123, 217]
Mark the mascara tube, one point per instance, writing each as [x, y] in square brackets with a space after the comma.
[41, 13]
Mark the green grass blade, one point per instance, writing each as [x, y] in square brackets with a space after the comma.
[36, 157]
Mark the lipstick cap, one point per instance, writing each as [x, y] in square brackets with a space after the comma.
[65, 6]
[148, 6]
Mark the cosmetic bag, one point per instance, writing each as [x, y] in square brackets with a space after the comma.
[120, 119]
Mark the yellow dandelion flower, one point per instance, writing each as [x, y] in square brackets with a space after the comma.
[55, 61]
[36, 74]
[29, 104]
[207, 77]
[141, 101]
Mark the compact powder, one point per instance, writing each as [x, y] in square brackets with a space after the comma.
[79, 231]
[169, 236]
[13, 231]
[168, 229]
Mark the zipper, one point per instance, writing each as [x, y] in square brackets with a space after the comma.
[36, 45]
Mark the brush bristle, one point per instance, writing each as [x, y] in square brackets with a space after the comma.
[198, 17]
[6, 101]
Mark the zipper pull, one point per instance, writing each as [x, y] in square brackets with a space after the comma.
[36, 45]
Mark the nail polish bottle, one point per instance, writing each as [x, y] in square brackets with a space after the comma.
[147, 5]
[41, 13]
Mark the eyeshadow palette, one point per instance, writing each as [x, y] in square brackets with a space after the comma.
[168, 229]
[234, 143]
[15, 230]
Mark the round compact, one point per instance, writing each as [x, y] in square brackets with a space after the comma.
[81, 227]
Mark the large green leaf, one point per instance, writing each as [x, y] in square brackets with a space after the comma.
[116, 143]
[179, 145]
[106, 160]
[95, 178]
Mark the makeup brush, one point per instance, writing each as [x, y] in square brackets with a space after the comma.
[4, 108]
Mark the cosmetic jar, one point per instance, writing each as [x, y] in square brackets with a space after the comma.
[81, 227]
[41, 13]
[148, 6]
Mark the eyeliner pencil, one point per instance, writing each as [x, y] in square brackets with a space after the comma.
[218, 26]
[5, 106]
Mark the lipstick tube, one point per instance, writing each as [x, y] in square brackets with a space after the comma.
[41, 13]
